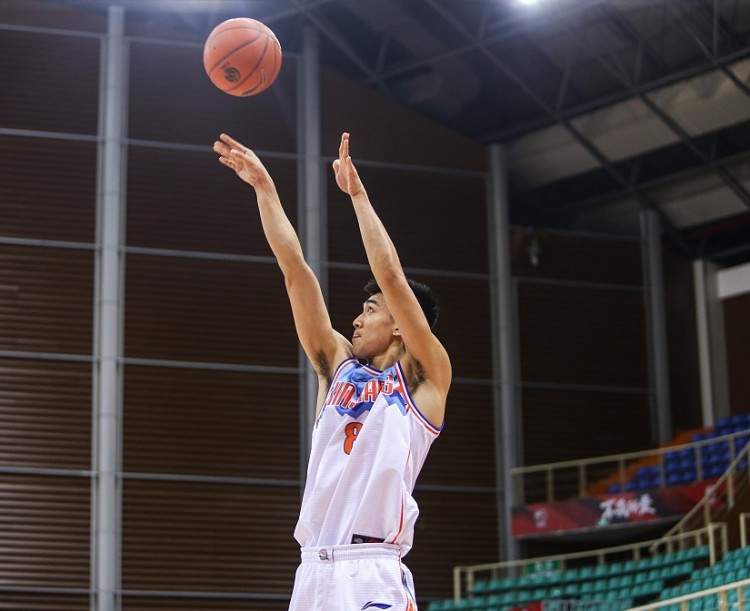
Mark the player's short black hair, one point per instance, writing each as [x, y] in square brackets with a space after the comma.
[425, 296]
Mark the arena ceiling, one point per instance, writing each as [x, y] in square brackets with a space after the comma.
[605, 107]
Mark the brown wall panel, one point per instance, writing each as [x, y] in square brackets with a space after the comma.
[574, 335]
[44, 531]
[453, 529]
[40, 13]
[36, 69]
[209, 537]
[173, 100]
[464, 452]
[46, 299]
[45, 414]
[49, 192]
[566, 424]
[189, 201]
[463, 324]
[211, 423]
[208, 311]
[577, 258]
[382, 130]
[13, 601]
[436, 221]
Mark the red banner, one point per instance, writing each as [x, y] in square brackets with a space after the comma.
[600, 511]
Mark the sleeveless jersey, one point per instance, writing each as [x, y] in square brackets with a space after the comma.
[369, 443]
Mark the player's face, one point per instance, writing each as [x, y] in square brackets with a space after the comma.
[373, 329]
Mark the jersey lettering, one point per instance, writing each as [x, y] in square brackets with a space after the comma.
[351, 431]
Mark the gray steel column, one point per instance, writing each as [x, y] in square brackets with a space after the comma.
[711, 343]
[108, 316]
[503, 349]
[657, 327]
[311, 213]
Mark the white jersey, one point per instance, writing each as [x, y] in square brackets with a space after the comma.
[368, 446]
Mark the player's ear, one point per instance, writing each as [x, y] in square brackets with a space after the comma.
[396, 332]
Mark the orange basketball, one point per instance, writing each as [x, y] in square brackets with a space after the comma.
[242, 56]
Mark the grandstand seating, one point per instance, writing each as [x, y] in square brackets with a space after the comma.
[687, 465]
[735, 566]
[620, 585]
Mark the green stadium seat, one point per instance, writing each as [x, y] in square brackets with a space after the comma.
[570, 575]
[650, 562]
[538, 594]
[441, 605]
[525, 581]
[629, 566]
[480, 587]
[523, 597]
[555, 592]
[600, 585]
[625, 593]
[601, 570]
[613, 583]
[615, 568]
[699, 553]
[587, 587]
[668, 593]
[508, 598]
[500, 585]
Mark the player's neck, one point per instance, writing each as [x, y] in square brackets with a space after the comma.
[386, 360]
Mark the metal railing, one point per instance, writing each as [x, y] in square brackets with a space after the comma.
[730, 597]
[719, 498]
[566, 479]
[713, 535]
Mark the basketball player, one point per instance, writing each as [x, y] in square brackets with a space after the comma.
[380, 405]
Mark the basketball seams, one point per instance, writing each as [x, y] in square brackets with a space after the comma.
[261, 57]
[235, 49]
[269, 76]
[266, 64]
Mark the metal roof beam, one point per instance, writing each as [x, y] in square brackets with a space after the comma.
[598, 200]
[582, 140]
[731, 182]
[338, 40]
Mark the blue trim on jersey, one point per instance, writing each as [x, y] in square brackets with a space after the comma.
[403, 400]
[413, 403]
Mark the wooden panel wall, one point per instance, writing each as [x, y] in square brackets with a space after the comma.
[583, 346]
[47, 224]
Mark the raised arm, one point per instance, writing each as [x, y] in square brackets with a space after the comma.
[323, 346]
[426, 353]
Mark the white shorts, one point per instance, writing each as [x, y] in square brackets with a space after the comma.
[363, 577]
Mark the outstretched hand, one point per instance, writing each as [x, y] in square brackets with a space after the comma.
[347, 177]
[242, 160]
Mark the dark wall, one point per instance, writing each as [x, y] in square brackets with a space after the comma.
[583, 351]
[737, 330]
